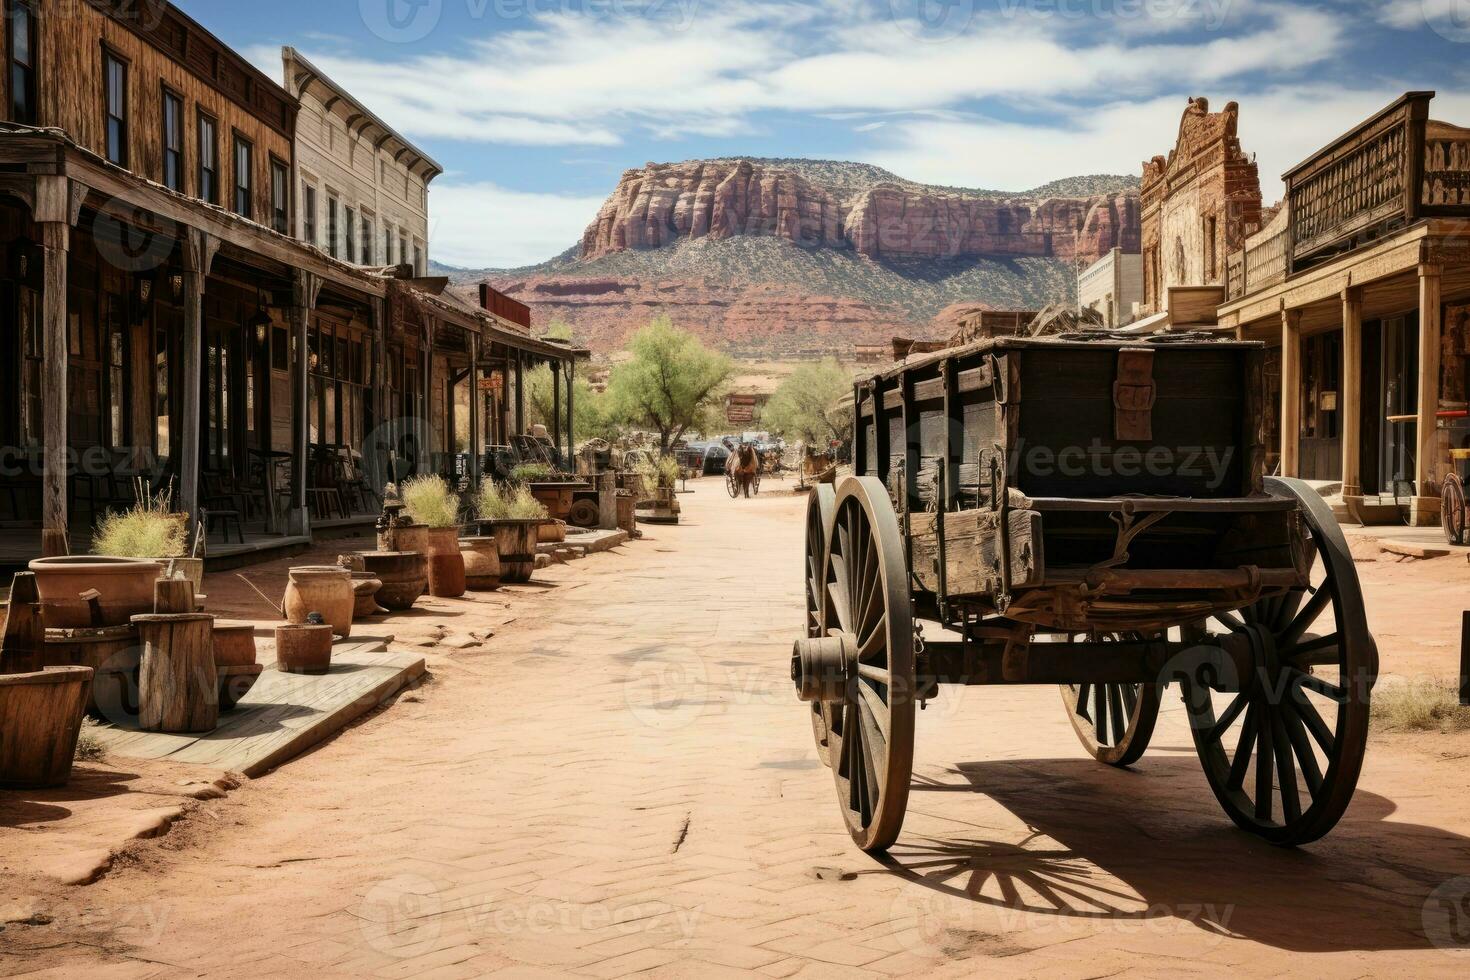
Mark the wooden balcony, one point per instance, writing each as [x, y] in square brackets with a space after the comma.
[1386, 173]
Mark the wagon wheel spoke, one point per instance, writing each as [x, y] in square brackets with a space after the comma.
[1113, 721]
[1298, 719]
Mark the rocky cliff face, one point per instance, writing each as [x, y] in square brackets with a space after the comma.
[662, 204]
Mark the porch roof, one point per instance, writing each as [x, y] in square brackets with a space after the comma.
[1387, 272]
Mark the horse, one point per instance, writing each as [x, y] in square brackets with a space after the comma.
[744, 466]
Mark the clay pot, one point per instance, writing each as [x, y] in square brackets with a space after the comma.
[325, 589]
[481, 563]
[125, 584]
[446, 564]
[40, 719]
[404, 574]
[365, 586]
[516, 542]
[234, 644]
[302, 649]
[552, 532]
[408, 537]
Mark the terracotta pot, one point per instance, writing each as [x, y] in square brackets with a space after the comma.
[404, 574]
[234, 644]
[409, 537]
[125, 584]
[40, 719]
[303, 649]
[446, 564]
[365, 586]
[552, 532]
[516, 542]
[325, 589]
[481, 563]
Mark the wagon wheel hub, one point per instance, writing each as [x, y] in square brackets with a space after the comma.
[822, 666]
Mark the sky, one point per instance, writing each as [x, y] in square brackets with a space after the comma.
[536, 107]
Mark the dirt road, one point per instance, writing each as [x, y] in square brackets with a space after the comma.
[621, 781]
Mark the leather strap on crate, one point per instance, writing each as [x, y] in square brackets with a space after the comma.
[1134, 396]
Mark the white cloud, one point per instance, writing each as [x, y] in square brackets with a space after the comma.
[483, 226]
[1281, 127]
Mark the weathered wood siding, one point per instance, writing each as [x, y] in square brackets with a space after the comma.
[162, 48]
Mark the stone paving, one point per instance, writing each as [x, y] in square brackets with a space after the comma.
[621, 782]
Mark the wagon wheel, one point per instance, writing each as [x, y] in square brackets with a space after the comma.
[1452, 509]
[862, 663]
[1284, 752]
[584, 513]
[1114, 721]
[732, 485]
[819, 509]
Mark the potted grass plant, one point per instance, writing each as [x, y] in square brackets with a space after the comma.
[514, 518]
[129, 551]
[431, 501]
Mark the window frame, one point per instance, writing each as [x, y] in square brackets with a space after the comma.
[32, 68]
[112, 59]
[247, 211]
[308, 212]
[280, 206]
[181, 152]
[334, 225]
[208, 191]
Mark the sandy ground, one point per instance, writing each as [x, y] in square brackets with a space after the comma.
[620, 781]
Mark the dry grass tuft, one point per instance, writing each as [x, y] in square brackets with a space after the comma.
[90, 748]
[1419, 706]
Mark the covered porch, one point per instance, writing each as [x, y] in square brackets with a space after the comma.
[152, 342]
[1362, 288]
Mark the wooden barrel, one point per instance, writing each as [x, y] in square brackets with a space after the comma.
[112, 653]
[40, 719]
[178, 684]
[516, 542]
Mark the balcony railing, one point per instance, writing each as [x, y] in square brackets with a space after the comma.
[1260, 264]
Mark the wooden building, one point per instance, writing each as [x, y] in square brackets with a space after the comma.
[159, 319]
[1361, 283]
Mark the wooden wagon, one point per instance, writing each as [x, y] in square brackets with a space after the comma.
[1091, 514]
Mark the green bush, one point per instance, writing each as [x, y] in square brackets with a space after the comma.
[497, 502]
[530, 473]
[149, 529]
[431, 501]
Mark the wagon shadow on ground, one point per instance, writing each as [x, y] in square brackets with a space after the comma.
[1123, 846]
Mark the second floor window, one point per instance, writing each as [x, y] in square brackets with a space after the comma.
[367, 240]
[334, 230]
[308, 214]
[22, 63]
[402, 249]
[350, 236]
[115, 75]
[244, 178]
[208, 160]
[173, 142]
[280, 197]
[387, 246]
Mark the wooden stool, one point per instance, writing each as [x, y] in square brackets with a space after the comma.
[178, 684]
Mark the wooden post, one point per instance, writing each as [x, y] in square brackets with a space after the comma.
[55, 246]
[1465, 659]
[178, 684]
[520, 396]
[305, 289]
[173, 595]
[198, 251]
[1351, 403]
[571, 413]
[1291, 392]
[1429, 357]
[476, 414]
[556, 403]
